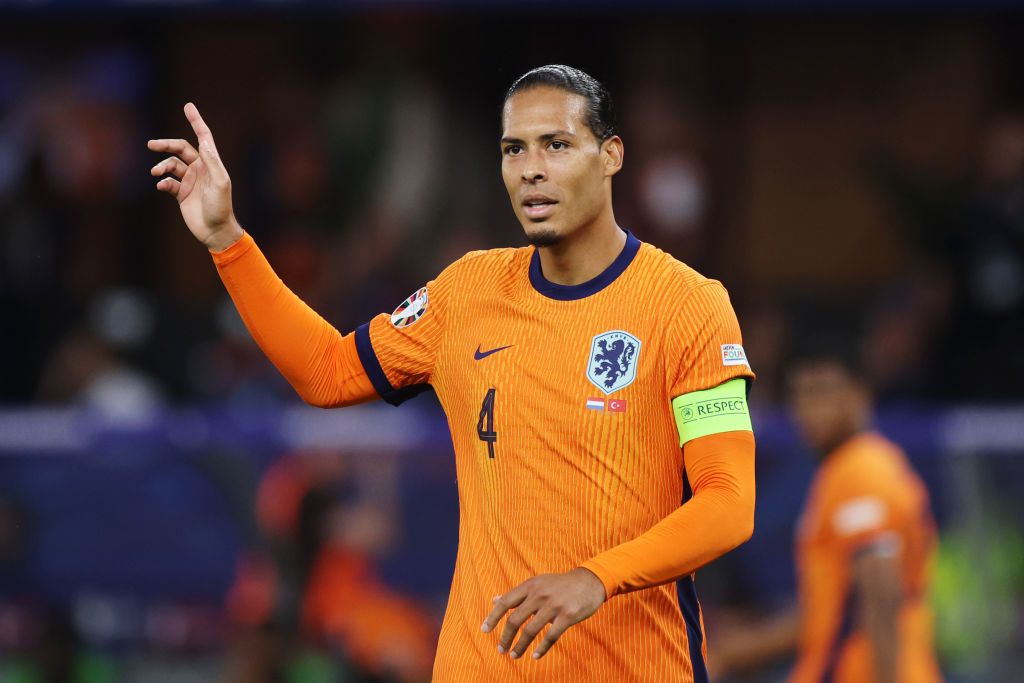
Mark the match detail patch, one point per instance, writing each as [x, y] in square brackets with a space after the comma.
[856, 516]
[410, 310]
[712, 411]
[733, 354]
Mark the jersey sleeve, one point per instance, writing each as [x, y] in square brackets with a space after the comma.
[706, 336]
[874, 520]
[399, 350]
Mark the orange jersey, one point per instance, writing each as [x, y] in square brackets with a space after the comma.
[864, 493]
[559, 403]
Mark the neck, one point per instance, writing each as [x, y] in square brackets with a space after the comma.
[842, 439]
[585, 254]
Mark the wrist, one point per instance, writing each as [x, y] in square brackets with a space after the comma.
[599, 587]
[225, 237]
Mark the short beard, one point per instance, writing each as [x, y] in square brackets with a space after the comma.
[544, 238]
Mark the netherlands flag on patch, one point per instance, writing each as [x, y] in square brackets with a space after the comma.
[595, 404]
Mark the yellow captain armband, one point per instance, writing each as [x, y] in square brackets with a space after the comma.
[712, 411]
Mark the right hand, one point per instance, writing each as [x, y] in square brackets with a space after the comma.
[200, 183]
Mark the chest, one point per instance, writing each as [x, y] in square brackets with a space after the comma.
[557, 384]
[558, 358]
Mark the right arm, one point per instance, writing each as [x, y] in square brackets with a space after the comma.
[322, 365]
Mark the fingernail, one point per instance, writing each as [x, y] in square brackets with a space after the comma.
[513, 654]
[536, 655]
[483, 627]
[501, 649]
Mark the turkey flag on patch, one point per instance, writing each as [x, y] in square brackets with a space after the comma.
[616, 405]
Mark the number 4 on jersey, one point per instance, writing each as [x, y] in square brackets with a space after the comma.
[485, 425]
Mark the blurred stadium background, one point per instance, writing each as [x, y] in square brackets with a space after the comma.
[169, 511]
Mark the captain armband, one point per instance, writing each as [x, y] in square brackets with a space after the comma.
[712, 411]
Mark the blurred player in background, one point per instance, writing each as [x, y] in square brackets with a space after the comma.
[865, 544]
[571, 372]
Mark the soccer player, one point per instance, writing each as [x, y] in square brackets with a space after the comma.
[571, 371]
[864, 544]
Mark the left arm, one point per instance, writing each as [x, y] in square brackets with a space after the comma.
[880, 593]
[719, 517]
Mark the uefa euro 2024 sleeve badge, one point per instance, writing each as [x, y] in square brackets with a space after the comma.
[613, 359]
[410, 310]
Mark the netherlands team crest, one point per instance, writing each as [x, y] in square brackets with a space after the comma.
[410, 310]
[613, 359]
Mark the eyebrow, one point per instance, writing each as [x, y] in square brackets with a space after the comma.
[543, 138]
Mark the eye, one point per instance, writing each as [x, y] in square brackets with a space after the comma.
[558, 145]
[512, 150]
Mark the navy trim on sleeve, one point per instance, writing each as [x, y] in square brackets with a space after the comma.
[368, 357]
[690, 608]
[553, 290]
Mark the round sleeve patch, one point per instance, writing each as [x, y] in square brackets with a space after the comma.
[410, 310]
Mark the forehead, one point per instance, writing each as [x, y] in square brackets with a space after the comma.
[542, 109]
[819, 375]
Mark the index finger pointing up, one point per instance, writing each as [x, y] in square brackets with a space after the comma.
[202, 131]
[207, 150]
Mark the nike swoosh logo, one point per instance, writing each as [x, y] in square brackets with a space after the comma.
[479, 355]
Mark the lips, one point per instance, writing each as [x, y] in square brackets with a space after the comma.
[537, 206]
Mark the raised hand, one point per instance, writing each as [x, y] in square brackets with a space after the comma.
[561, 600]
[200, 183]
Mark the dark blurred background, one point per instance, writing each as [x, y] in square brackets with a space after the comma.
[170, 511]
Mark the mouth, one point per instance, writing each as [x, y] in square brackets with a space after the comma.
[538, 206]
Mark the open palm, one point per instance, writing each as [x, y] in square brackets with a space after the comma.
[200, 183]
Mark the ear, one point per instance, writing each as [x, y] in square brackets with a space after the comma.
[612, 152]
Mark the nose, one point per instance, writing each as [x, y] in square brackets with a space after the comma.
[533, 169]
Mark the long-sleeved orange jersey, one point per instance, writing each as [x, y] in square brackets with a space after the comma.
[567, 451]
[864, 494]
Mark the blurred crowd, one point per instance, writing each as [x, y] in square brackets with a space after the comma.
[364, 167]
[363, 152]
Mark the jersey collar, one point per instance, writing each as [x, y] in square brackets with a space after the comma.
[553, 290]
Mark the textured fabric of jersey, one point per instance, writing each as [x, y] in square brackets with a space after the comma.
[559, 403]
[864, 494]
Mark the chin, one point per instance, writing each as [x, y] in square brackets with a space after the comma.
[539, 235]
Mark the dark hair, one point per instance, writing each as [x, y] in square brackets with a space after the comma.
[834, 347]
[600, 113]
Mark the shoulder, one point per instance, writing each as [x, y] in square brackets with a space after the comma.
[699, 303]
[488, 259]
[871, 465]
[479, 267]
[869, 453]
[675, 277]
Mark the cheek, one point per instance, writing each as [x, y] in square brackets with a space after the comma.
[579, 182]
[509, 176]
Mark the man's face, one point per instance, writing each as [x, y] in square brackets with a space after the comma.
[555, 169]
[826, 403]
